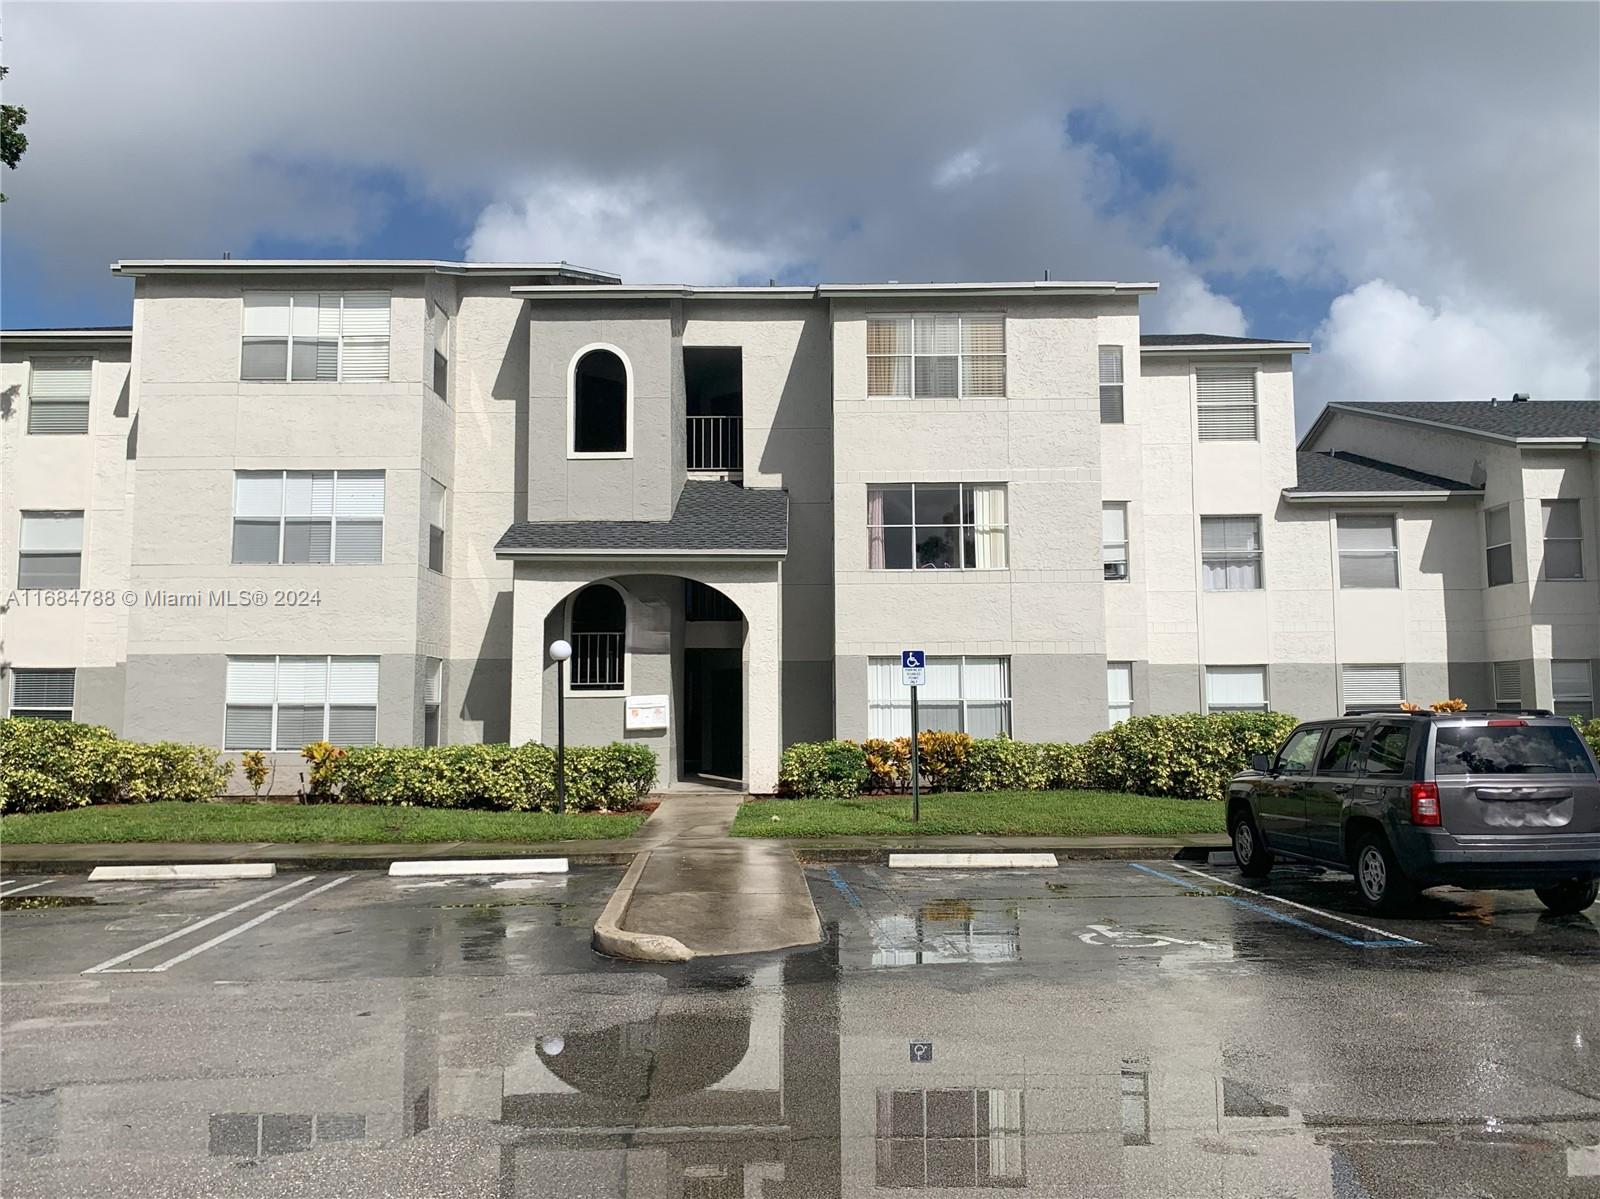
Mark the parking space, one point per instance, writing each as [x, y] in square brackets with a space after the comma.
[302, 926]
[1117, 914]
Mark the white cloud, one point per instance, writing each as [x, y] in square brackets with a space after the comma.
[958, 168]
[645, 230]
[1186, 305]
[1382, 343]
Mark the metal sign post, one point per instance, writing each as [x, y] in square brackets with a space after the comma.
[912, 668]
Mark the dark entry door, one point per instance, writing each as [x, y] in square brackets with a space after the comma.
[713, 727]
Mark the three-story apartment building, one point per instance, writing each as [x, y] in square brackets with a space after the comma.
[359, 500]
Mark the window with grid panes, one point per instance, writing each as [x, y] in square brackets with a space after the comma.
[294, 337]
[937, 356]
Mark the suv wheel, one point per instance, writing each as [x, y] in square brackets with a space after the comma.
[1253, 857]
[1569, 897]
[1381, 883]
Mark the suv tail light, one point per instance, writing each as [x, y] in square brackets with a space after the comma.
[1425, 804]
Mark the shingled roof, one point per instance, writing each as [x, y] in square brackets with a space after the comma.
[1325, 471]
[711, 518]
[1519, 421]
[1156, 340]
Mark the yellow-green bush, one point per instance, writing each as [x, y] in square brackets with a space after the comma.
[49, 765]
[888, 764]
[1190, 755]
[941, 758]
[506, 777]
[826, 769]
[1590, 732]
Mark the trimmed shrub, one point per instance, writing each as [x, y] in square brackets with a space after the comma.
[1589, 730]
[1001, 764]
[1189, 755]
[824, 769]
[942, 758]
[888, 764]
[49, 765]
[1063, 765]
[518, 778]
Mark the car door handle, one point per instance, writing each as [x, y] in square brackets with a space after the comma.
[1340, 788]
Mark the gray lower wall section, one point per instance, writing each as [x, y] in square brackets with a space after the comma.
[1171, 688]
[477, 701]
[1309, 690]
[97, 694]
[850, 697]
[1057, 697]
[808, 701]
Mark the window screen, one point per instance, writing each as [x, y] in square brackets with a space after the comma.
[43, 694]
[50, 552]
[58, 395]
[1368, 554]
[1111, 410]
[962, 694]
[1225, 398]
[1236, 688]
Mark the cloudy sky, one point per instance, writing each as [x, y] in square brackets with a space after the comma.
[1413, 188]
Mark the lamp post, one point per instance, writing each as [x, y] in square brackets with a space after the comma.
[560, 651]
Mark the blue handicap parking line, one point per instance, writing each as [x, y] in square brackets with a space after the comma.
[1387, 940]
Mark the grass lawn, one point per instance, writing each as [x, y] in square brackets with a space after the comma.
[996, 813]
[346, 823]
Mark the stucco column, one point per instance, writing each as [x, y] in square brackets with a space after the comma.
[761, 603]
[531, 601]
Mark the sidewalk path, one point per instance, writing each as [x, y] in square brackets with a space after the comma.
[710, 893]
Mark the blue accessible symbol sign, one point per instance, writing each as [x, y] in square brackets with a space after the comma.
[912, 663]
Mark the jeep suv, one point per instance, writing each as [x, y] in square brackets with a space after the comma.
[1407, 800]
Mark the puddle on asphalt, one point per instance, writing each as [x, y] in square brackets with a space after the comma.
[39, 903]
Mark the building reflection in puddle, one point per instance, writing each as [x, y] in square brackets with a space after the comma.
[947, 932]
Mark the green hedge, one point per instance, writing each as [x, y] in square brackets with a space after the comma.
[50, 765]
[1189, 756]
[507, 777]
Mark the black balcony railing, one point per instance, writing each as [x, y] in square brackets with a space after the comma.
[716, 443]
[597, 661]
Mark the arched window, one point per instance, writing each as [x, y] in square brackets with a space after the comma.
[599, 623]
[600, 420]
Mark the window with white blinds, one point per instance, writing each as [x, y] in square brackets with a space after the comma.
[1508, 686]
[1573, 684]
[937, 356]
[961, 695]
[1114, 540]
[1111, 411]
[301, 336]
[1236, 688]
[1370, 687]
[1497, 544]
[293, 516]
[1563, 540]
[1119, 692]
[1230, 553]
[436, 495]
[922, 526]
[1368, 554]
[286, 702]
[432, 696]
[50, 551]
[58, 395]
[43, 694]
[1225, 398]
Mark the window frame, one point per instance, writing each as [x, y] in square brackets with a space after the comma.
[1112, 708]
[1392, 553]
[1205, 368]
[891, 706]
[572, 405]
[1572, 699]
[961, 526]
[1126, 543]
[1260, 555]
[333, 517]
[1506, 670]
[1370, 741]
[1317, 735]
[327, 698]
[1545, 539]
[436, 532]
[32, 711]
[93, 359]
[24, 554]
[1238, 667]
[1120, 384]
[433, 685]
[1354, 760]
[439, 327]
[960, 354]
[624, 687]
[339, 343]
[1508, 545]
[1347, 709]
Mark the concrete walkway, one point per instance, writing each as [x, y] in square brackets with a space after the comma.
[694, 891]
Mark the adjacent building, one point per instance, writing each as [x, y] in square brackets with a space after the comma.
[360, 499]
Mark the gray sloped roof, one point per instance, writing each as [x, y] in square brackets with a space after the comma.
[1528, 419]
[711, 518]
[1325, 471]
[1208, 339]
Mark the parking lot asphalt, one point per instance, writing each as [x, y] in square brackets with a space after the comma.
[1102, 1029]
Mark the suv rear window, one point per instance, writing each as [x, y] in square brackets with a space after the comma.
[1509, 749]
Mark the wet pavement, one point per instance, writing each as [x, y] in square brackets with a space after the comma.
[1102, 1029]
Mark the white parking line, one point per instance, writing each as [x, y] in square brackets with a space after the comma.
[245, 927]
[1291, 903]
[189, 928]
[20, 890]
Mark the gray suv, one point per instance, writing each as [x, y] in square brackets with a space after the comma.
[1407, 800]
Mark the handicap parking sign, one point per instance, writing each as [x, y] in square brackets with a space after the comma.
[912, 667]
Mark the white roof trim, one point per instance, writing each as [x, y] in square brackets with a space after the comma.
[579, 553]
[1242, 347]
[1024, 288]
[1368, 497]
[11, 335]
[661, 291]
[350, 266]
[686, 291]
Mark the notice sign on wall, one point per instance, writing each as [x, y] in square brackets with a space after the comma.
[645, 712]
